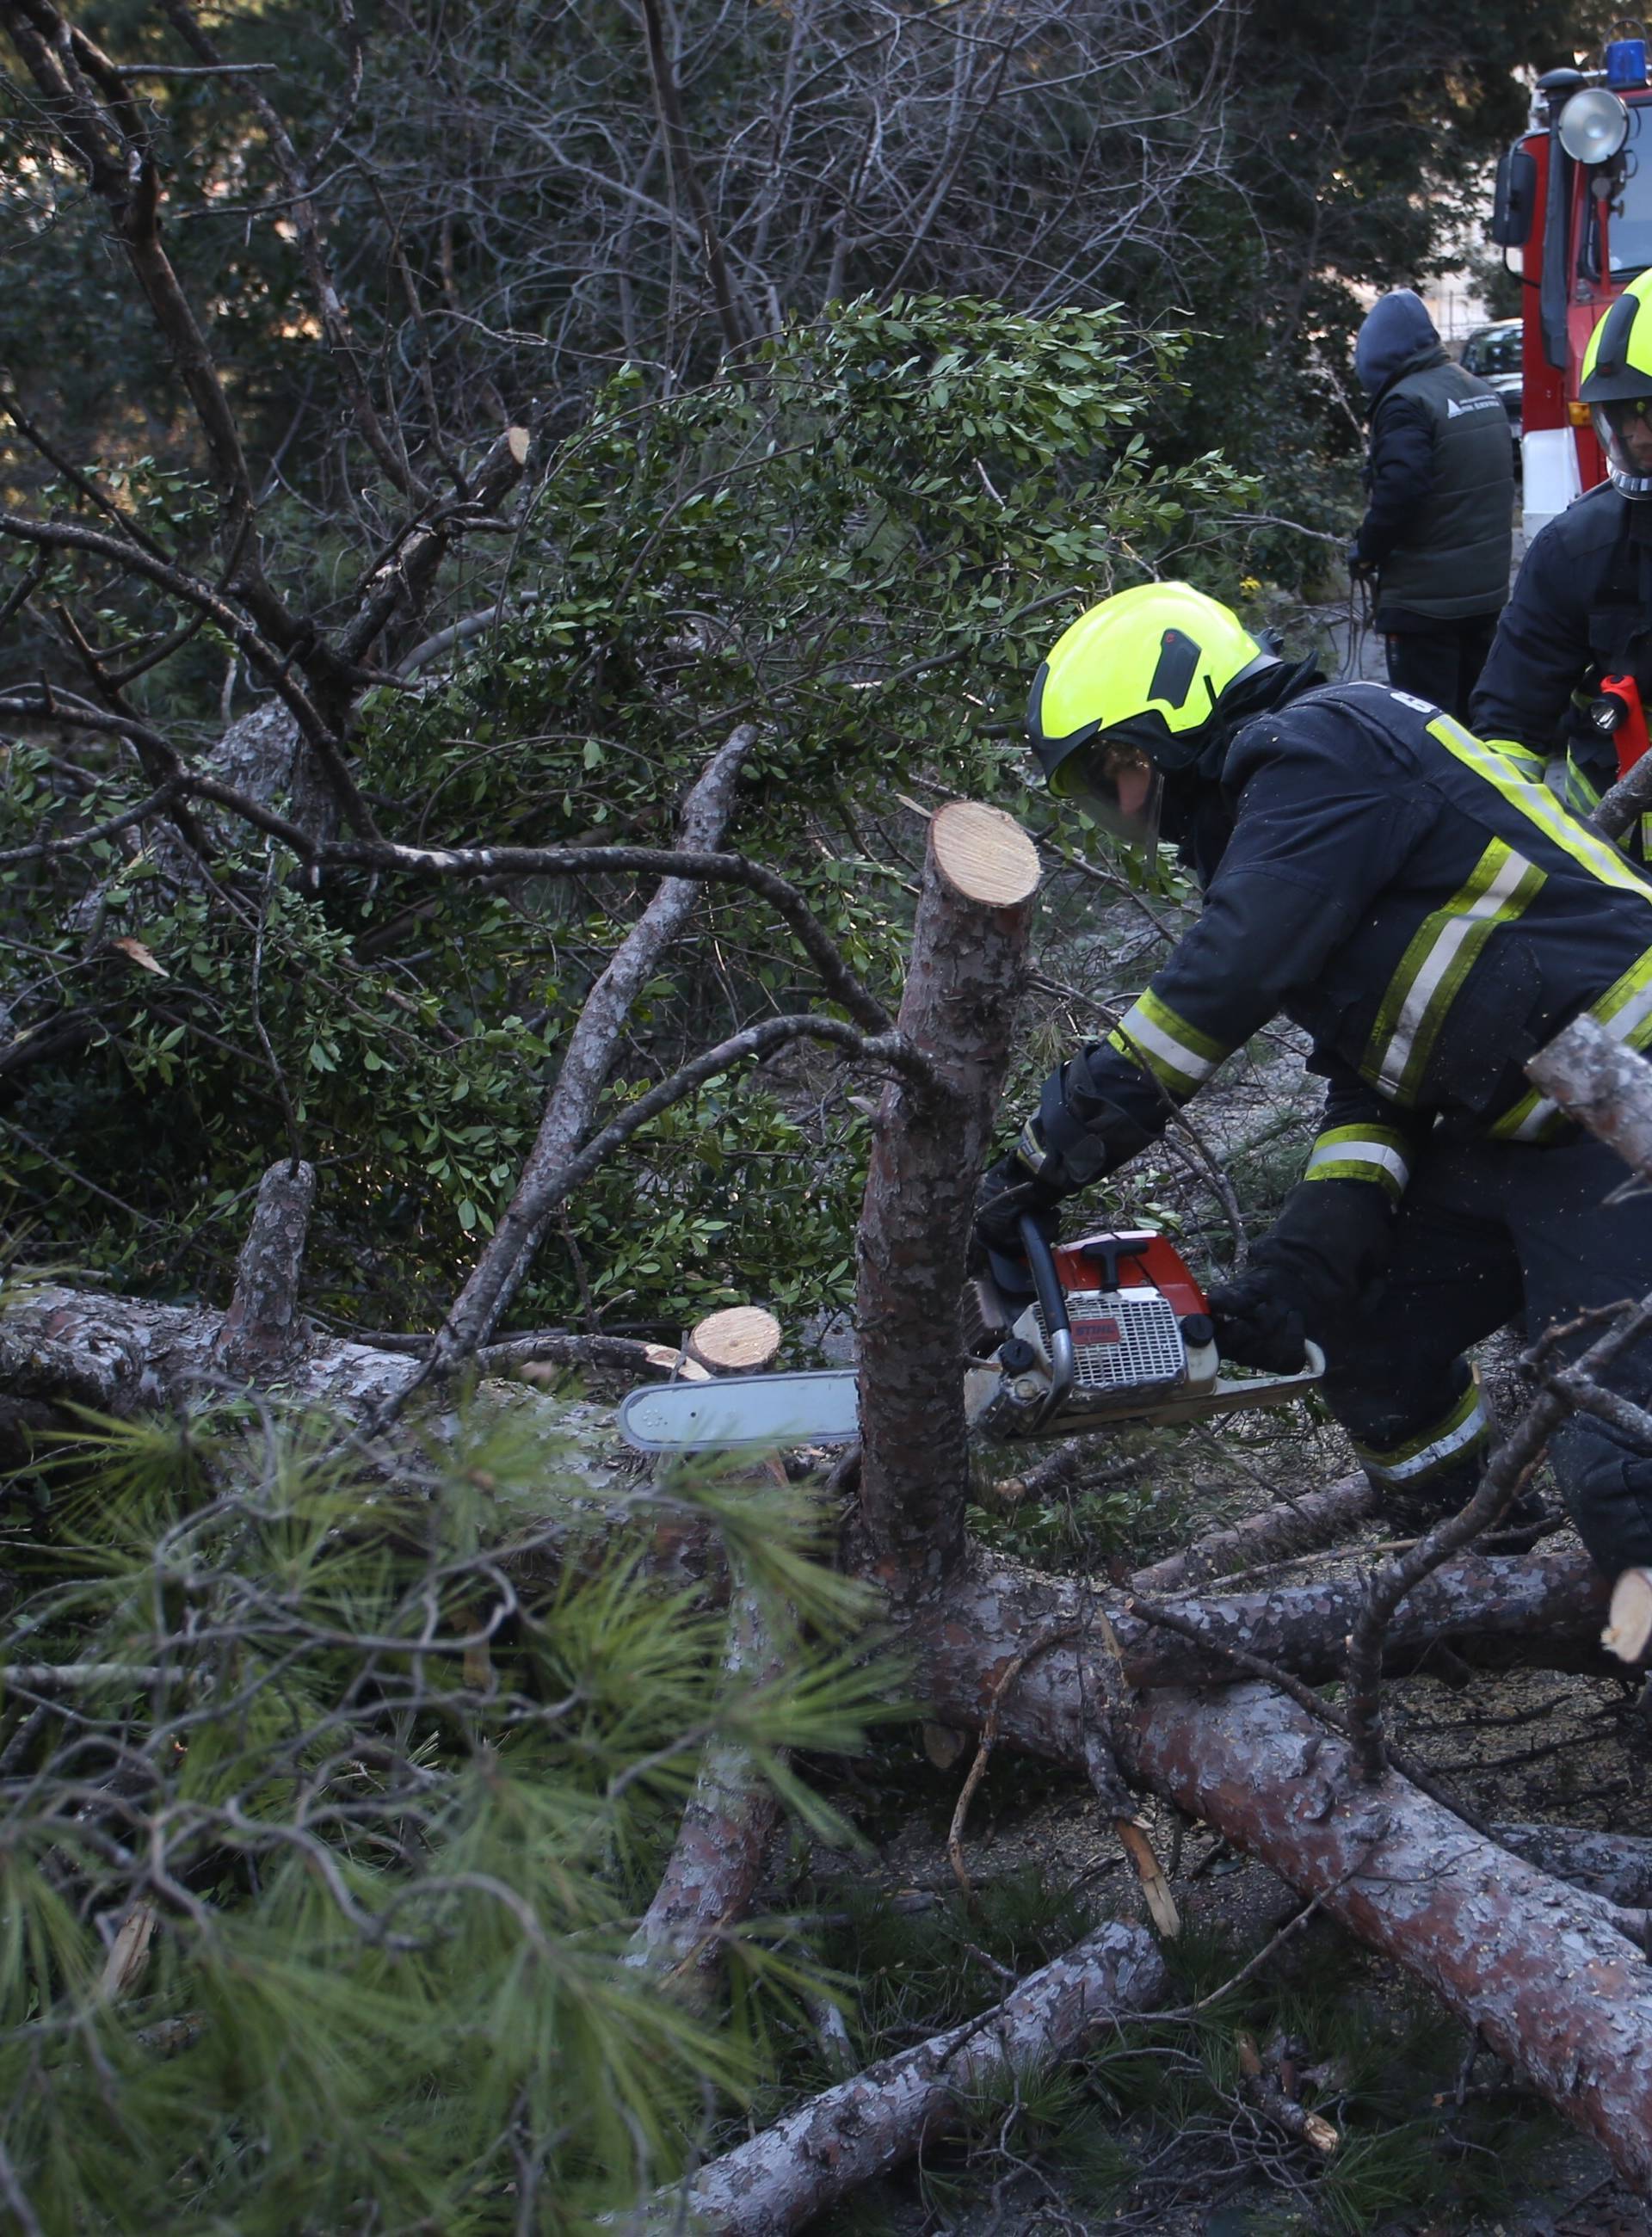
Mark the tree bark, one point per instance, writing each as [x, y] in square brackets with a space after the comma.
[63, 1348]
[1556, 1600]
[1606, 1086]
[124, 1356]
[849, 2134]
[714, 1866]
[263, 1334]
[1299, 1525]
[1621, 804]
[968, 947]
[1611, 1865]
[1476, 1598]
[588, 1060]
[85, 1347]
[1540, 1970]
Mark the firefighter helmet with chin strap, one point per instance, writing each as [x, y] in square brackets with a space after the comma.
[1131, 694]
[1616, 382]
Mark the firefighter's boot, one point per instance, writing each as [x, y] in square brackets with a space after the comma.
[1424, 1478]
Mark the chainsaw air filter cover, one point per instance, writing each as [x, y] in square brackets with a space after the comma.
[1122, 1339]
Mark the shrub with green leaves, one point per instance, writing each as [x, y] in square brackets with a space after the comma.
[324, 1815]
[861, 540]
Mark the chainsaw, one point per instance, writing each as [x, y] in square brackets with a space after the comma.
[1117, 1331]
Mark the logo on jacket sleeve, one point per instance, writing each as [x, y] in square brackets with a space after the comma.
[1456, 406]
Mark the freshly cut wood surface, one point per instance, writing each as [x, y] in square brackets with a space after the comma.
[737, 1341]
[1628, 1626]
[983, 853]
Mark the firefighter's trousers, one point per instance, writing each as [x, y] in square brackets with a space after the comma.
[1490, 1233]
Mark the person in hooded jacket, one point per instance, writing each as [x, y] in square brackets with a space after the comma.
[1439, 531]
[1429, 916]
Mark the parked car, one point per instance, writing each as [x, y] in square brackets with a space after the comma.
[1493, 352]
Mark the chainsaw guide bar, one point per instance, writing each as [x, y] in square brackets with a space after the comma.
[765, 1411]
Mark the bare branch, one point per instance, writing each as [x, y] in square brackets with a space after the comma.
[587, 1059]
[68, 535]
[816, 942]
[335, 319]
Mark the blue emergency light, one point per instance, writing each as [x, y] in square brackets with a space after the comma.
[1625, 63]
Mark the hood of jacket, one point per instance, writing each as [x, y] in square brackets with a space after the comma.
[1398, 337]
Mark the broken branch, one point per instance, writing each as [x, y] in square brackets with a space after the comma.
[859, 2129]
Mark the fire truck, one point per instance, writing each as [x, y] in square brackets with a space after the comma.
[1574, 195]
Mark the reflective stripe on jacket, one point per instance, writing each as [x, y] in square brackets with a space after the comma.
[1413, 898]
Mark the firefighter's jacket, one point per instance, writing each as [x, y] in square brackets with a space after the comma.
[1427, 913]
[1581, 610]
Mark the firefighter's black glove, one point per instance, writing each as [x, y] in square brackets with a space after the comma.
[1007, 1194]
[1257, 1325]
[1320, 1257]
[1359, 570]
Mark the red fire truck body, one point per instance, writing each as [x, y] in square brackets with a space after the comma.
[1575, 197]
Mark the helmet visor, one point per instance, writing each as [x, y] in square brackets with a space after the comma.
[1624, 426]
[1116, 783]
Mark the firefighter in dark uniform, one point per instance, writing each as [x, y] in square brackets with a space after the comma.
[1581, 607]
[1438, 530]
[1429, 916]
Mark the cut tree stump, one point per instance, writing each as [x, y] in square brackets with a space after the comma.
[983, 855]
[741, 1340]
[969, 951]
[861, 2128]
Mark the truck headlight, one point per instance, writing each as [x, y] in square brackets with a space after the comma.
[1594, 125]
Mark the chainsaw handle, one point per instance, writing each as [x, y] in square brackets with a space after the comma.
[1040, 1261]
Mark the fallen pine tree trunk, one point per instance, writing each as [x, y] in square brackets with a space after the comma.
[992, 1609]
[1541, 1970]
[1556, 1601]
[861, 2127]
[62, 1350]
[1298, 1526]
[1615, 1866]
[124, 1356]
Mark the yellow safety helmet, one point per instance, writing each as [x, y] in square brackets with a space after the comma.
[1615, 383]
[1128, 695]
